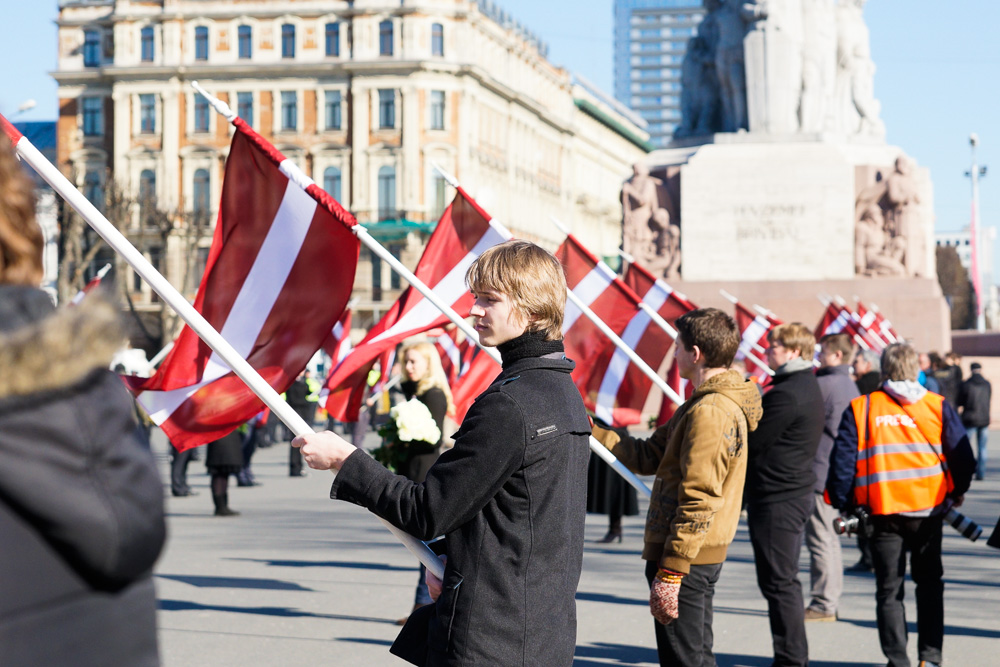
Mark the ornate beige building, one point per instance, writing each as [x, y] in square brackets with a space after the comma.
[363, 95]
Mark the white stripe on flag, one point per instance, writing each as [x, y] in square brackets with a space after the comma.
[588, 289]
[755, 331]
[449, 289]
[450, 349]
[253, 304]
[615, 373]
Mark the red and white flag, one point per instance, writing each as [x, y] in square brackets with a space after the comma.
[90, 286]
[683, 388]
[622, 386]
[611, 387]
[838, 318]
[338, 343]
[462, 234]
[884, 326]
[455, 355]
[868, 321]
[754, 328]
[279, 274]
[479, 374]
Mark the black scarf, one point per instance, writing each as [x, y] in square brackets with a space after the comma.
[528, 344]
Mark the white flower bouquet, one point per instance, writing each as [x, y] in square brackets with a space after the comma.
[411, 430]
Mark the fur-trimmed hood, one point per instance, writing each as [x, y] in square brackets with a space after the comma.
[43, 348]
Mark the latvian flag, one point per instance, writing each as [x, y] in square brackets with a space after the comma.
[462, 234]
[279, 274]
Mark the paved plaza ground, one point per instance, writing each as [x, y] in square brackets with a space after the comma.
[299, 579]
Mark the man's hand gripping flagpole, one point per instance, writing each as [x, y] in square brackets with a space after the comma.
[117, 241]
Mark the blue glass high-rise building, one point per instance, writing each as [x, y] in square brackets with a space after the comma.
[651, 38]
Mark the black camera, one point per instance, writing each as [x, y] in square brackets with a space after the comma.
[963, 524]
[856, 522]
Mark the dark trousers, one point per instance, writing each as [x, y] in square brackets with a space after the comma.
[178, 471]
[892, 536]
[687, 642]
[776, 532]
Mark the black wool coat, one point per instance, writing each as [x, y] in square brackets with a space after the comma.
[510, 499]
[81, 505]
[782, 449]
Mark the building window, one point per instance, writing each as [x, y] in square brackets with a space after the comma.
[201, 43]
[395, 249]
[93, 121]
[200, 192]
[147, 114]
[289, 110]
[331, 182]
[333, 113]
[146, 44]
[386, 108]
[245, 38]
[147, 194]
[287, 41]
[91, 48]
[437, 109]
[386, 193]
[440, 195]
[200, 114]
[93, 190]
[244, 107]
[437, 39]
[333, 39]
[376, 277]
[385, 38]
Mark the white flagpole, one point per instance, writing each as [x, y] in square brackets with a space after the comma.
[117, 241]
[376, 247]
[595, 444]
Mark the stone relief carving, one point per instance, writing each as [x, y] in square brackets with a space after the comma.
[648, 232]
[893, 224]
[780, 66]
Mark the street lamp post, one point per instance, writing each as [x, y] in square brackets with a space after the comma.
[975, 235]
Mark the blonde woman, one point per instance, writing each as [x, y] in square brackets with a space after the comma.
[424, 378]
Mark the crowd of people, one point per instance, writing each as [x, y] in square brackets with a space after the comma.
[887, 446]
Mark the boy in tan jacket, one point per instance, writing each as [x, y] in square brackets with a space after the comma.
[699, 458]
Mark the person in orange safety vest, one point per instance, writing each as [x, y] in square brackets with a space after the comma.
[902, 453]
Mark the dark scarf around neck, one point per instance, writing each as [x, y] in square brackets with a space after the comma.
[529, 344]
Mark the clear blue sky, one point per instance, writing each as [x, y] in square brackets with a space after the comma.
[937, 77]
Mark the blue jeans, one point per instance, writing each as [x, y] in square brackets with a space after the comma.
[687, 642]
[981, 433]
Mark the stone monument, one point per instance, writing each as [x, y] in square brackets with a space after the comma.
[779, 185]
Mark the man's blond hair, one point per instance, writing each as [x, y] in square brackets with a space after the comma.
[531, 278]
[900, 362]
[794, 336]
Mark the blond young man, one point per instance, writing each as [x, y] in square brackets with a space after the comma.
[509, 497]
[780, 481]
[699, 458]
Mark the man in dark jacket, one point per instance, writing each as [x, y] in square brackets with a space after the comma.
[826, 569]
[298, 398]
[509, 497]
[974, 399]
[780, 482]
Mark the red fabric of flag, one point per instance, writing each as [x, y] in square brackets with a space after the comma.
[279, 274]
[480, 373]
[462, 234]
[602, 374]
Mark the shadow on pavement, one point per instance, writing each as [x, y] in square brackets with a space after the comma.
[236, 582]
[370, 642]
[622, 654]
[949, 630]
[283, 612]
[329, 563]
[732, 660]
[614, 599]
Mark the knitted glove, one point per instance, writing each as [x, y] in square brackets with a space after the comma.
[663, 595]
